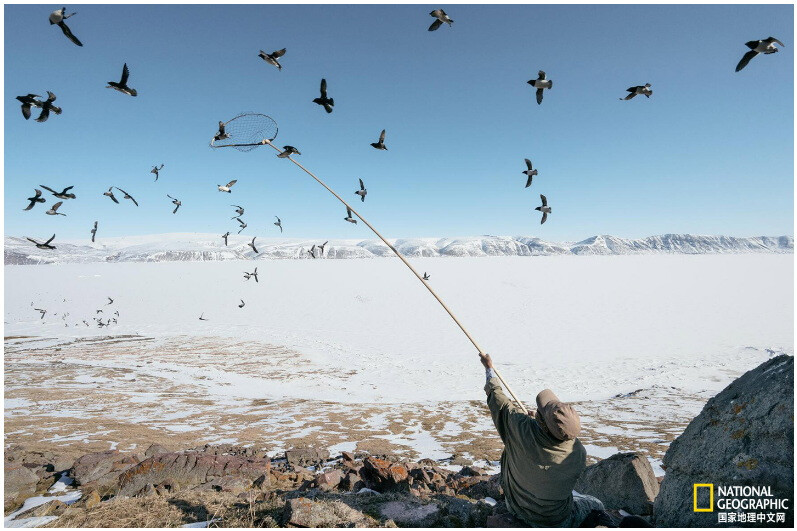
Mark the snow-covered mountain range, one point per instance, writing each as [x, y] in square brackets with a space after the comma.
[205, 247]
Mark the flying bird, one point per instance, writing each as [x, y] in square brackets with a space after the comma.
[765, 46]
[348, 216]
[110, 301]
[425, 275]
[221, 134]
[638, 90]
[109, 193]
[47, 106]
[45, 245]
[272, 58]
[54, 209]
[278, 223]
[176, 202]
[62, 194]
[381, 143]
[35, 199]
[202, 317]
[27, 101]
[58, 17]
[287, 151]
[41, 311]
[252, 245]
[227, 187]
[127, 196]
[243, 225]
[321, 247]
[239, 210]
[441, 17]
[247, 276]
[545, 209]
[242, 304]
[530, 173]
[93, 232]
[156, 170]
[311, 252]
[225, 236]
[362, 192]
[121, 86]
[326, 103]
[540, 84]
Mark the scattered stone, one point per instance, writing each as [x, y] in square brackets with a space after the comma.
[623, 481]
[409, 513]
[472, 471]
[460, 460]
[304, 512]
[384, 476]
[744, 436]
[306, 456]
[19, 483]
[485, 487]
[329, 480]
[348, 456]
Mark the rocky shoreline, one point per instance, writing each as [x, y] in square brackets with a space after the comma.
[750, 442]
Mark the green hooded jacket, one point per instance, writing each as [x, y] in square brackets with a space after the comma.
[538, 471]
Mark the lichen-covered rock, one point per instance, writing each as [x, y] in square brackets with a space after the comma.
[743, 436]
[306, 456]
[226, 472]
[382, 475]
[410, 513]
[101, 469]
[304, 512]
[623, 481]
[19, 483]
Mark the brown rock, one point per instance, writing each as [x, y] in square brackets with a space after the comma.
[348, 456]
[92, 499]
[191, 469]
[101, 469]
[303, 512]
[623, 481]
[19, 483]
[382, 475]
[329, 480]
[51, 508]
[306, 456]
[156, 449]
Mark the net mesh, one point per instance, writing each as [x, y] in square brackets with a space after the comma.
[247, 131]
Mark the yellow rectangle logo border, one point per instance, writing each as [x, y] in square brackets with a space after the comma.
[711, 497]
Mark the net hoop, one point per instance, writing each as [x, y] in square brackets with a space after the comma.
[247, 131]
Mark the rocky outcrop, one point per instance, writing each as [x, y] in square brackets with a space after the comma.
[743, 436]
[306, 456]
[305, 512]
[101, 470]
[174, 471]
[19, 483]
[623, 481]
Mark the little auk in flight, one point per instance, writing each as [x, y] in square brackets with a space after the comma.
[425, 275]
[227, 187]
[176, 202]
[110, 301]
[311, 252]
[326, 103]
[252, 245]
[58, 17]
[530, 173]
[321, 247]
[109, 193]
[202, 317]
[243, 225]
[640, 89]
[225, 236]
[272, 58]
[127, 196]
[93, 232]
[35, 199]
[287, 151]
[45, 245]
[242, 304]
[348, 216]
[540, 84]
[41, 311]
[247, 276]
[278, 223]
[545, 209]
[765, 46]
[381, 144]
[121, 86]
[441, 17]
[239, 210]
[54, 210]
[362, 192]
[47, 106]
[60, 195]
[28, 101]
[156, 170]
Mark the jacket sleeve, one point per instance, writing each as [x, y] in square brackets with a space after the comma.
[506, 417]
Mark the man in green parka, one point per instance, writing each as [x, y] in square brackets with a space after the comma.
[542, 459]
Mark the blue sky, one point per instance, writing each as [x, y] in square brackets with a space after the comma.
[711, 152]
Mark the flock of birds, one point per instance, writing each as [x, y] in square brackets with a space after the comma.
[100, 320]
[541, 84]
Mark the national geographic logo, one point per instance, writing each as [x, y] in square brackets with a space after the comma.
[739, 503]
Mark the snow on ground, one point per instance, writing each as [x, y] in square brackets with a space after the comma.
[588, 326]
